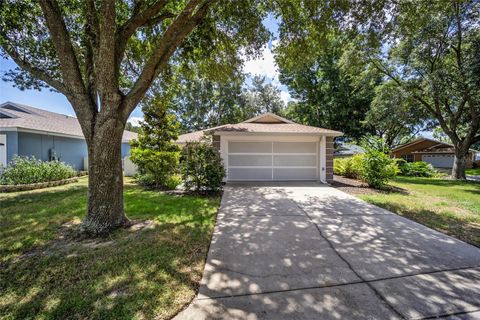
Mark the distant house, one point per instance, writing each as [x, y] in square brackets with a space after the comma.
[345, 150]
[28, 131]
[437, 153]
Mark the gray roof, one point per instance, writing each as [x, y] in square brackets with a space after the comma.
[15, 115]
[346, 149]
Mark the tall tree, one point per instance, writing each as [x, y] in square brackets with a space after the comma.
[105, 55]
[329, 90]
[395, 115]
[433, 54]
[262, 96]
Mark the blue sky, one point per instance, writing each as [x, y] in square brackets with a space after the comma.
[56, 102]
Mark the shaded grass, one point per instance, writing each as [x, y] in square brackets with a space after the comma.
[149, 273]
[452, 207]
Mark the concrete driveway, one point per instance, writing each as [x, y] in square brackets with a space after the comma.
[308, 251]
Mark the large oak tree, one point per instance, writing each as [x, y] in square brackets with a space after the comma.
[105, 55]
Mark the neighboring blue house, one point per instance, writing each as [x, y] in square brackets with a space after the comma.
[28, 131]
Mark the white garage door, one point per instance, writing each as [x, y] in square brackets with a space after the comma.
[272, 160]
[439, 160]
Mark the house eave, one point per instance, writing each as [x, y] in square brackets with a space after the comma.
[245, 133]
[45, 132]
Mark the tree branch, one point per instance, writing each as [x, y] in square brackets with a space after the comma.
[36, 72]
[72, 77]
[191, 16]
[139, 18]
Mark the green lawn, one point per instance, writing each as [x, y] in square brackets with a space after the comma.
[452, 207]
[474, 172]
[149, 273]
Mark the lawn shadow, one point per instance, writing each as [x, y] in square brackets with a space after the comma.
[147, 271]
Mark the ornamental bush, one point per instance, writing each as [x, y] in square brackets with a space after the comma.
[155, 167]
[417, 169]
[377, 166]
[201, 167]
[349, 167]
[26, 170]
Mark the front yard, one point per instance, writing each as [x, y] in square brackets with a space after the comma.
[452, 207]
[149, 271]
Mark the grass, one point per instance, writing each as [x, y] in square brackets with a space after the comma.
[452, 207]
[473, 172]
[149, 273]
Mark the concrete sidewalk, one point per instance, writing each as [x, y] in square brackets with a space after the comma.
[308, 251]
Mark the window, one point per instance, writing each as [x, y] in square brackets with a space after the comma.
[408, 157]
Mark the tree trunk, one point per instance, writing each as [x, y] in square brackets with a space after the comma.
[105, 183]
[459, 163]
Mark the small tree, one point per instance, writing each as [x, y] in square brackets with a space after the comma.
[202, 167]
[155, 153]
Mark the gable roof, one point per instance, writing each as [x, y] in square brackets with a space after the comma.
[267, 123]
[436, 144]
[26, 117]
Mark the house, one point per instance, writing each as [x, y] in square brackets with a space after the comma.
[345, 150]
[28, 131]
[271, 148]
[437, 153]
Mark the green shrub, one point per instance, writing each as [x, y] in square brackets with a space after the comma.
[202, 168]
[348, 167]
[154, 167]
[26, 170]
[377, 166]
[173, 182]
[417, 169]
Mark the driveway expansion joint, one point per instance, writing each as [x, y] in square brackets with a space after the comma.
[375, 291]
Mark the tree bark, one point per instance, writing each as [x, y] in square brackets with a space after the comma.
[459, 163]
[105, 183]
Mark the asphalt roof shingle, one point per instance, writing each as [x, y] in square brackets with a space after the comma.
[255, 125]
[41, 120]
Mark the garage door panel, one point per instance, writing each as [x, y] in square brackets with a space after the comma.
[294, 147]
[249, 174]
[439, 160]
[267, 160]
[294, 173]
[294, 160]
[249, 147]
[249, 160]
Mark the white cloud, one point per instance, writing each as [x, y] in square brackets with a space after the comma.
[264, 65]
[135, 120]
[285, 96]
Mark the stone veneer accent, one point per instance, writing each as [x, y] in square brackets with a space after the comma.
[329, 159]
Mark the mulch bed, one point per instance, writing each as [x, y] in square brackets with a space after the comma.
[356, 187]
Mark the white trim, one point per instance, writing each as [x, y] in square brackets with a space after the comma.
[323, 159]
[3, 145]
[243, 133]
